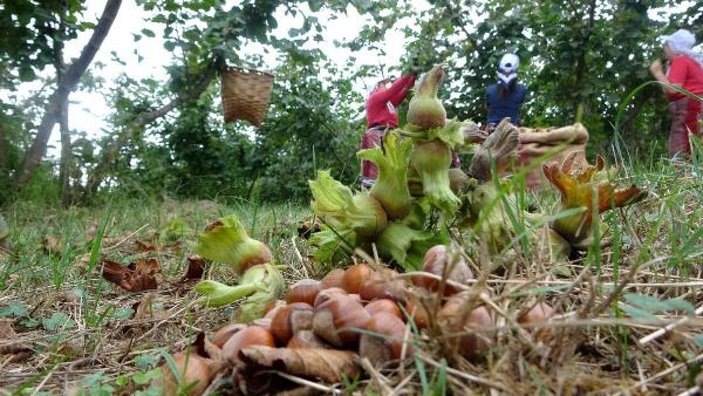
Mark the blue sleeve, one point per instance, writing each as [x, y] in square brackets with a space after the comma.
[491, 94]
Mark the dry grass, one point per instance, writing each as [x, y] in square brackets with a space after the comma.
[594, 344]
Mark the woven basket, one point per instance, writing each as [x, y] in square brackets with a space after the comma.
[535, 178]
[245, 94]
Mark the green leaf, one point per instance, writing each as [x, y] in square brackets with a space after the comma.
[27, 74]
[123, 313]
[58, 321]
[315, 5]
[653, 305]
[30, 323]
[147, 377]
[145, 362]
[150, 391]
[86, 25]
[640, 314]
[122, 380]
[91, 380]
[15, 309]
[148, 33]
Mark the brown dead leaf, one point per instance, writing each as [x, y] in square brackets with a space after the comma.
[144, 308]
[328, 365]
[51, 245]
[196, 268]
[146, 265]
[91, 231]
[307, 228]
[9, 345]
[205, 348]
[145, 312]
[136, 277]
[144, 247]
[83, 261]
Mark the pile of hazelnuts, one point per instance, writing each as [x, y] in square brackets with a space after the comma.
[369, 311]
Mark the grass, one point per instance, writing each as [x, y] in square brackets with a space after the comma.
[78, 325]
[611, 300]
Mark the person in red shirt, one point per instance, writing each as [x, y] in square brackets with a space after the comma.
[685, 71]
[381, 116]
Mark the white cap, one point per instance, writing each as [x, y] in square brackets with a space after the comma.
[509, 63]
[680, 41]
[507, 68]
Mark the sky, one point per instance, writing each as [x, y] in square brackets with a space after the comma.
[89, 110]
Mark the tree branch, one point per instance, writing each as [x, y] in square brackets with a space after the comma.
[73, 73]
[142, 120]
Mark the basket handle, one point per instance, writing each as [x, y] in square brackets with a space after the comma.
[245, 70]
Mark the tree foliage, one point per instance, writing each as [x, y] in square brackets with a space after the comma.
[580, 60]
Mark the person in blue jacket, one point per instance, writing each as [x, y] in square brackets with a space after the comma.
[505, 97]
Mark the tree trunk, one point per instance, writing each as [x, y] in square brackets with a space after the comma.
[69, 81]
[578, 105]
[66, 156]
[144, 119]
[4, 160]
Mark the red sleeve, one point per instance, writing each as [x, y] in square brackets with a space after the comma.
[396, 92]
[399, 96]
[678, 71]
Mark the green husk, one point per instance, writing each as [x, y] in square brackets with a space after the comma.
[431, 160]
[272, 286]
[488, 217]
[176, 229]
[407, 246]
[418, 214]
[333, 244]
[217, 294]
[260, 285]
[425, 109]
[580, 188]
[336, 204]
[226, 241]
[391, 187]
[452, 133]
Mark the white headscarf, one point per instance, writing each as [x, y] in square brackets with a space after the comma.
[507, 68]
[682, 43]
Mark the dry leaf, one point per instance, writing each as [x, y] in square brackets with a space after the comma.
[83, 261]
[146, 265]
[136, 277]
[51, 245]
[205, 348]
[196, 268]
[9, 345]
[144, 247]
[144, 315]
[307, 228]
[329, 365]
[500, 148]
[91, 231]
[144, 308]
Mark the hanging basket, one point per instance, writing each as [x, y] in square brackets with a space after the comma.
[245, 94]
